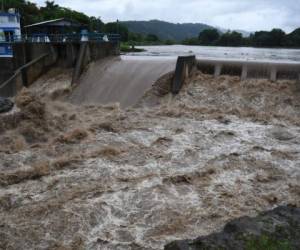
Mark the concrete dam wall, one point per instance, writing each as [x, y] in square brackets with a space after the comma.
[123, 80]
[32, 60]
[126, 79]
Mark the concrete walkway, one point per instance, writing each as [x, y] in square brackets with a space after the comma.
[123, 80]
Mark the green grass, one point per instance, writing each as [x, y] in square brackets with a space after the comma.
[125, 47]
[265, 242]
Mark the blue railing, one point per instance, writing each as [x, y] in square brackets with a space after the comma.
[63, 38]
[5, 50]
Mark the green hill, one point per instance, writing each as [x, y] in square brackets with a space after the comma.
[165, 30]
[293, 39]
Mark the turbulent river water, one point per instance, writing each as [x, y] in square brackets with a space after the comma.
[91, 176]
[246, 53]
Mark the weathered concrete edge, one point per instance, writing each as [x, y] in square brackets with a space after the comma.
[83, 59]
[183, 69]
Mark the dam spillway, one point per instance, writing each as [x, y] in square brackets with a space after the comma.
[125, 79]
[122, 79]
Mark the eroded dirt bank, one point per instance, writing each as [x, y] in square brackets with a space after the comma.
[98, 177]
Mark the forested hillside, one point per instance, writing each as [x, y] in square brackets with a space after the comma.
[165, 30]
[31, 13]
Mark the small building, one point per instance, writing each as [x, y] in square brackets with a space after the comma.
[10, 31]
[56, 30]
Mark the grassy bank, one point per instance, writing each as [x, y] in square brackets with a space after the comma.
[125, 47]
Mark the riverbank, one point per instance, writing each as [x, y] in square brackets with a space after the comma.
[103, 177]
[125, 48]
[275, 229]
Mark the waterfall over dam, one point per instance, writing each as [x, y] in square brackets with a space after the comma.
[122, 79]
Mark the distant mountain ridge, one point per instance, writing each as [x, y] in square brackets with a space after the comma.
[165, 30]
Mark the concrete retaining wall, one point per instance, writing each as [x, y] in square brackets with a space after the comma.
[26, 75]
[183, 69]
[12, 86]
[6, 68]
[101, 50]
[31, 60]
[27, 52]
[92, 51]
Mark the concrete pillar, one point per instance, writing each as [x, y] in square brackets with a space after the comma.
[24, 77]
[82, 60]
[71, 57]
[244, 72]
[20, 54]
[273, 74]
[218, 69]
[181, 72]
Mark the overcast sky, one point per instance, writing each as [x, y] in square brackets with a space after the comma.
[248, 15]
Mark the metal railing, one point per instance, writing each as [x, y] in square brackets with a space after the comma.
[64, 38]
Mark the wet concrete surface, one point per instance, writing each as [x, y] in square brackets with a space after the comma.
[123, 80]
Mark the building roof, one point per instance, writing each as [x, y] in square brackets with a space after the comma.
[56, 23]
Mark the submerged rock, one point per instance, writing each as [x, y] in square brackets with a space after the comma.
[5, 105]
[276, 229]
[282, 135]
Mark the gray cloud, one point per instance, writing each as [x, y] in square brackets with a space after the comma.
[232, 14]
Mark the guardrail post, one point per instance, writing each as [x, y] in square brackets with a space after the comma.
[218, 69]
[244, 72]
[273, 74]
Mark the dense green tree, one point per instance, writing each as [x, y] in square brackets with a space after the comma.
[135, 37]
[170, 42]
[274, 38]
[96, 24]
[191, 41]
[209, 36]
[260, 39]
[293, 39]
[152, 38]
[231, 39]
[277, 37]
[31, 13]
[117, 27]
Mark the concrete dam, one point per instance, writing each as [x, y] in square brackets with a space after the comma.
[102, 76]
[125, 79]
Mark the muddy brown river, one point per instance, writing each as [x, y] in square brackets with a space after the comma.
[101, 177]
